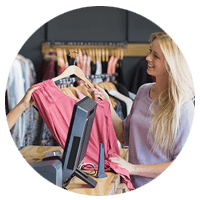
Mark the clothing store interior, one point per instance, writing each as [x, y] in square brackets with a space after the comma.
[106, 46]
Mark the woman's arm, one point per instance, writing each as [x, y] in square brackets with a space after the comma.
[96, 93]
[17, 111]
[150, 171]
[14, 115]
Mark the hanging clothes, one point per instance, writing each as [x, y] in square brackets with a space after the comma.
[112, 65]
[123, 104]
[16, 91]
[49, 69]
[98, 71]
[61, 62]
[22, 75]
[122, 97]
[62, 65]
[122, 89]
[80, 59]
[119, 71]
[30, 116]
[88, 67]
[93, 67]
[104, 67]
[51, 103]
[84, 64]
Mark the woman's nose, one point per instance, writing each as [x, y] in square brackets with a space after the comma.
[148, 58]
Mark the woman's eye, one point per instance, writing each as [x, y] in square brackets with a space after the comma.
[150, 51]
[155, 56]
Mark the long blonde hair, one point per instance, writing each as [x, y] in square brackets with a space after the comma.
[166, 108]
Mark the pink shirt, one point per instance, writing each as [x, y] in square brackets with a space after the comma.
[56, 110]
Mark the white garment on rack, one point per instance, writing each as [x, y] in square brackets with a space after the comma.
[124, 98]
[15, 91]
[21, 77]
[28, 71]
[98, 71]
[131, 95]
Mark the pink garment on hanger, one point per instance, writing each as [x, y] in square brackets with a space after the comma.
[79, 94]
[111, 66]
[62, 65]
[56, 113]
[80, 59]
[79, 65]
[113, 70]
[114, 65]
[88, 66]
[109, 69]
[84, 64]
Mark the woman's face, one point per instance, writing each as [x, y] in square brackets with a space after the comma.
[156, 61]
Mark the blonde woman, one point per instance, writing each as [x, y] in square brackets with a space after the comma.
[161, 116]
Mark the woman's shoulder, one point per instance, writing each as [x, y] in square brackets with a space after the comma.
[144, 88]
[188, 107]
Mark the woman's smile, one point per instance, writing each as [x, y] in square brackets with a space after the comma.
[149, 66]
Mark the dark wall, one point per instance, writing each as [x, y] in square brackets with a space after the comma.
[140, 28]
[93, 24]
[32, 47]
[99, 24]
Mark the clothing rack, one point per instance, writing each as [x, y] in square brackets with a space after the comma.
[103, 76]
[66, 82]
[110, 44]
[130, 49]
[53, 46]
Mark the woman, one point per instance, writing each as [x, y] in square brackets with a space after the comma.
[160, 119]
[18, 110]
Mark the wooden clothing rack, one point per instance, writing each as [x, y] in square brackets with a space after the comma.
[129, 49]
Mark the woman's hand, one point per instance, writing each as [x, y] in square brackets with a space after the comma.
[97, 92]
[27, 100]
[146, 170]
[123, 164]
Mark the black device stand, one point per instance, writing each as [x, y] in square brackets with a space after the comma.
[100, 174]
[84, 177]
[80, 174]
